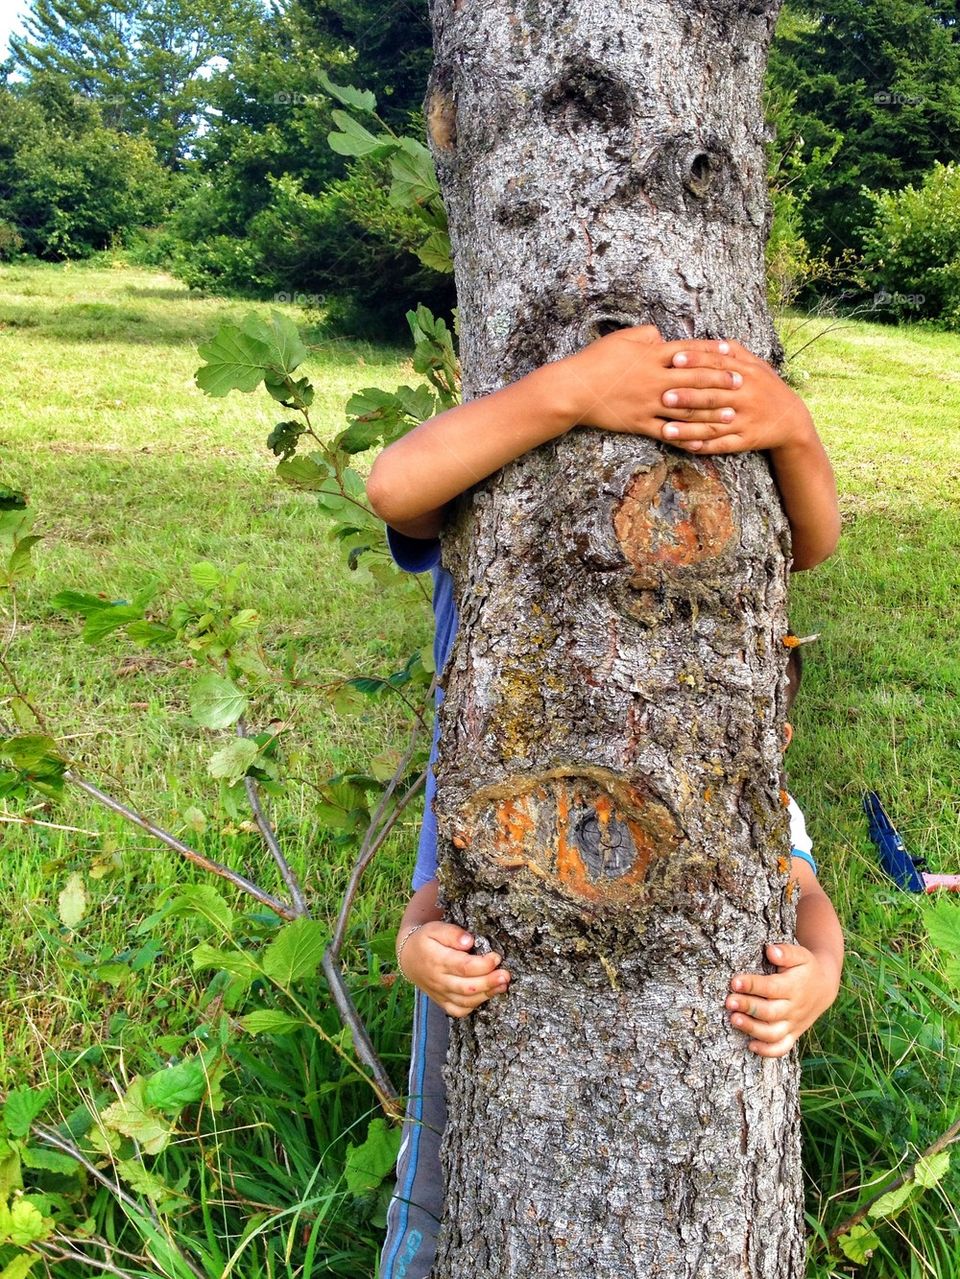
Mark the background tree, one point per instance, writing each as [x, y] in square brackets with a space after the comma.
[608, 789]
[876, 83]
[146, 62]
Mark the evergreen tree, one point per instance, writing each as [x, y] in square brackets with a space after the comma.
[878, 83]
[145, 62]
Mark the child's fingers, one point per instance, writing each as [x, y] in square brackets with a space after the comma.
[768, 1010]
[700, 426]
[763, 985]
[471, 965]
[721, 444]
[710, 352]
[703, 379]
[778, 1049]
[762, 1031]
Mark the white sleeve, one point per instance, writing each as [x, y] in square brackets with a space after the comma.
[799, 838]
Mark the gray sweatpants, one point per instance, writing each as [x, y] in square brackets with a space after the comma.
[413, 1216]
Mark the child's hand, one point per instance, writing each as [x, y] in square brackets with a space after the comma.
[618, 382]
[776, 1009]
[767, 414]
[436, 960]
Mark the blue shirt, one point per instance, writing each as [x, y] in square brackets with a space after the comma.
[422, 555]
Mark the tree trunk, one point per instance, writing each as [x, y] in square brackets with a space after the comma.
[609, 785]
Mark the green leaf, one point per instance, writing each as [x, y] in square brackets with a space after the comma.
[305, 473]
[232, 761]
[354, 139]
[419, 402]
[150, 634]
[202, 901]
[20, 565]
[205, 575]
[22, 1223]
[435, 252]
[235, 361]
[943, 929]
[359, 99]
[78, 602]
[859, 1243]
[11, 1176]
[22, 1107]
[281, 337]
[44, 1160]
[295, 952]
[369, 1163]
[132, 1117]
[283, 439]
[265, 1021]
[72, 902]
[195, 819]
[176, 1086]
[291, 393]
[236, 962]
[360, 436]
[414, 178]
[29, 749]
[20, 1266]
[889, 1205]
[107, 620]
[146, 1183]
[931, 1170]
[216, 702]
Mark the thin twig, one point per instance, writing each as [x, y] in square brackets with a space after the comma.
[58, 1251]
[270, 839]
[946, 1139]
[377, 832]
[35, 821]
[68, 1148]
[205, 863]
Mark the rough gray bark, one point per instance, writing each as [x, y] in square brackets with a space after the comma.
[609, 796]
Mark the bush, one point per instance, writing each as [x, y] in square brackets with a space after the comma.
[71, 186]
[347, 250]
[11, 241]
[912, 250]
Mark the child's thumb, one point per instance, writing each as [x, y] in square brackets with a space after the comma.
[785, 955]
[452, 935]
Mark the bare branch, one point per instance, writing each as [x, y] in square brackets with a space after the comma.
[941, 1143]
[205, 863]
[270, 839]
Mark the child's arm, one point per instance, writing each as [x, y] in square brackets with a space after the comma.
[436, 959]
[767, 415]
[775, 1010]
[617, 382]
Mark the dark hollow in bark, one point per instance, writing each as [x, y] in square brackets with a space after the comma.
[609, 787]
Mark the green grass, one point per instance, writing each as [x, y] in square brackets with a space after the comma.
[133, 472]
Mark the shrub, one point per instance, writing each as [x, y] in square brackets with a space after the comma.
[348, 249]
[11, 241]
[912, 250]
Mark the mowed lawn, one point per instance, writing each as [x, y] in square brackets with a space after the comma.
[133, 472]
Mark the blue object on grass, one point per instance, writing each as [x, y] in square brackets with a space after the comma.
[894, 858]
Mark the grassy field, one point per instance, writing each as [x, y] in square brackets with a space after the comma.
[134, 472]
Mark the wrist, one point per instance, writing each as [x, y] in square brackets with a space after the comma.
[557, 391]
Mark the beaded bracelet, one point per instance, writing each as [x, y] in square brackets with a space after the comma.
[403, 941]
